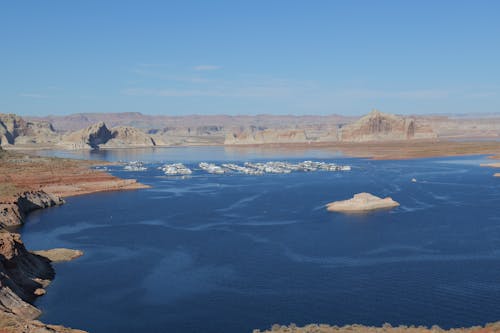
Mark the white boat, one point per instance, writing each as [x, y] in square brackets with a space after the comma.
[176, 169]
[212, 168]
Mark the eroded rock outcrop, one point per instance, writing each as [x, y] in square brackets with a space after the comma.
[125, 136]
[23, 277]
[10, 323]
[13, 212]
[15, 130]
[361, 202]
[88, 138]
[100, 136]
[22, 274]
[378, 126]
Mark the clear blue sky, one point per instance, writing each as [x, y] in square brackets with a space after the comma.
[249, 57]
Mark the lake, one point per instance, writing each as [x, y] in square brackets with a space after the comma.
[233, 252]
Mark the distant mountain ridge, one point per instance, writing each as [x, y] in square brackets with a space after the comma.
[135, 119]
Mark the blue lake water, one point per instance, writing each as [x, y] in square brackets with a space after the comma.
[230, 253]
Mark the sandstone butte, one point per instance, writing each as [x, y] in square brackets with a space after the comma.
[28, 183]
[361, 202]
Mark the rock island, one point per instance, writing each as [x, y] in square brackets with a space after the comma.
[361, 202]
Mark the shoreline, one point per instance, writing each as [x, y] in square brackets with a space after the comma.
[385, 328]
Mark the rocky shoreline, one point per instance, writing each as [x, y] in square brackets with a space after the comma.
[13, 212]
[28, 183]
[386, 328]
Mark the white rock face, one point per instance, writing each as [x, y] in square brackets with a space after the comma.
[361, 202]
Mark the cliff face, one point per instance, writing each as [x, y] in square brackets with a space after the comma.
[88, 138]
[13, 212]
[23, 276]
[124, 136]
[99, 136]
[300, 134]
[15, 130]
[378, 126]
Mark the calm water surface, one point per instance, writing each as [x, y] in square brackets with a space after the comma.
[229, 253]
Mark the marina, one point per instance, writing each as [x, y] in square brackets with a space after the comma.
[247, 168]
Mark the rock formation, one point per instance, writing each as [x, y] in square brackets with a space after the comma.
[99, 136]
[15, 130]
[361, 202]
[13, 212]
[124, 136]
[263, 136]
[87, 138]
[188, 135]
[10, 323]
[23, 277]
[22, 274]
[87, 131]
[378, 126]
